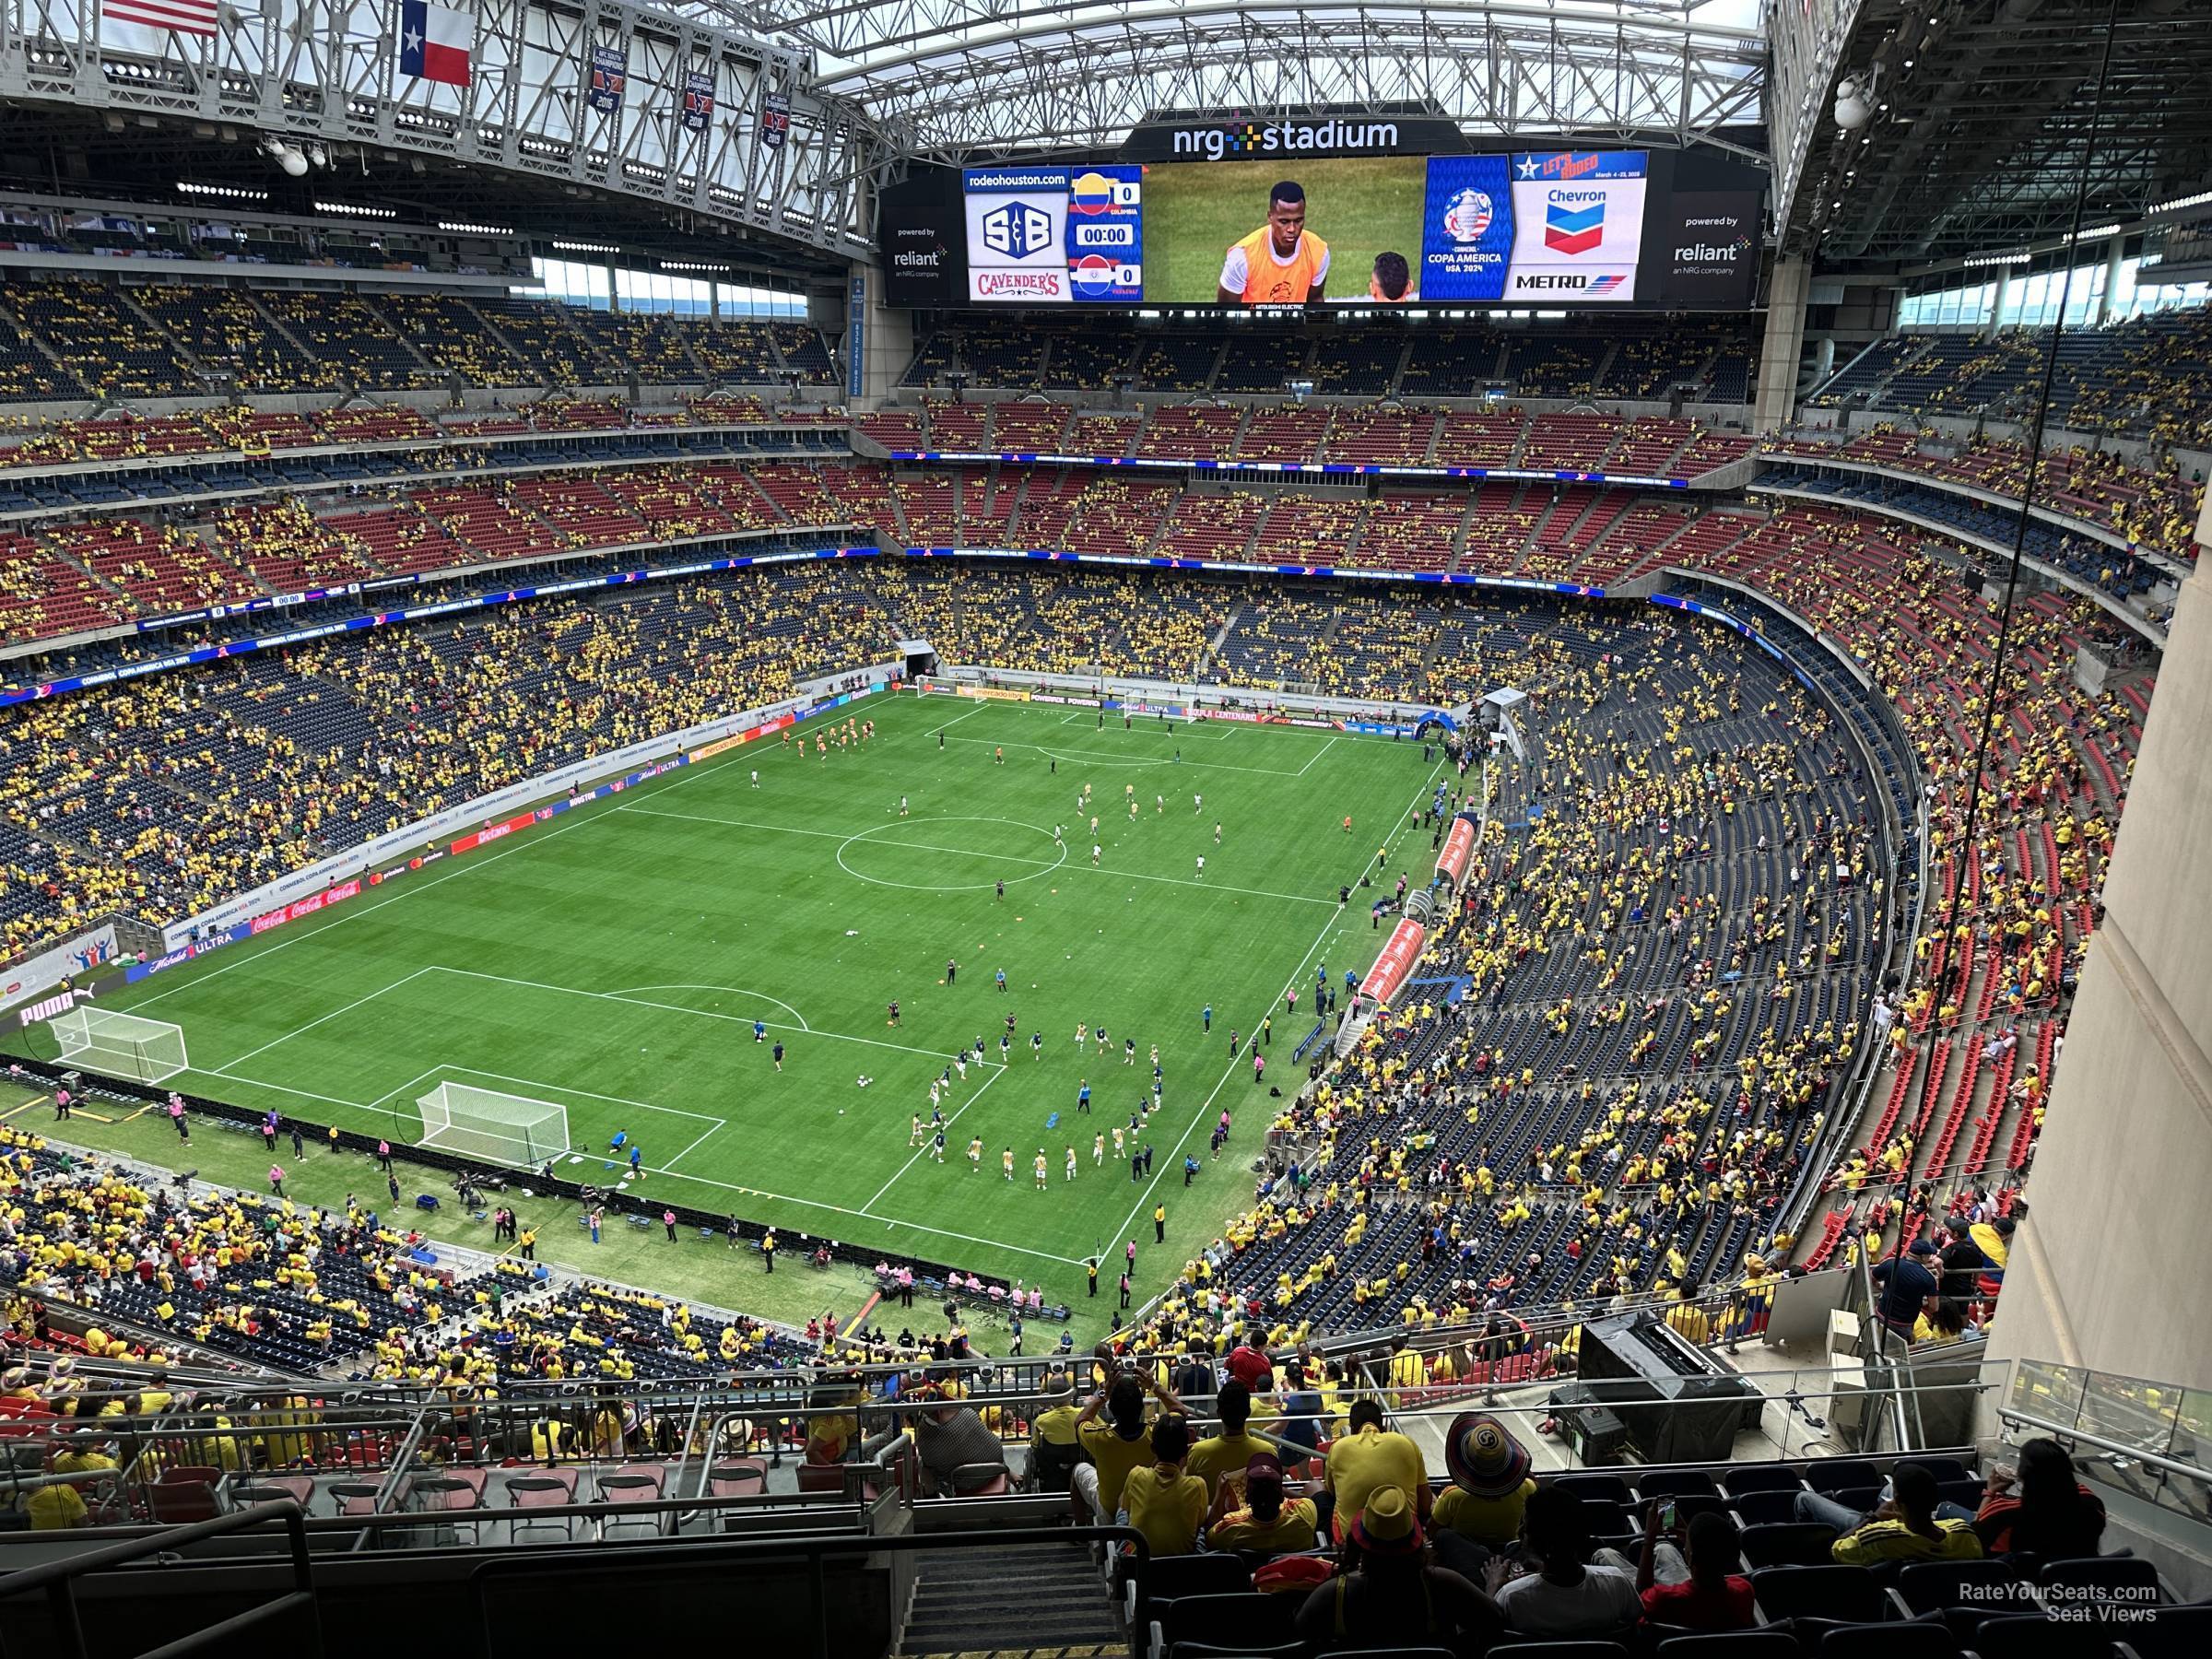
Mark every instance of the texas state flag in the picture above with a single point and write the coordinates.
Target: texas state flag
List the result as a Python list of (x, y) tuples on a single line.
[(435, 42)]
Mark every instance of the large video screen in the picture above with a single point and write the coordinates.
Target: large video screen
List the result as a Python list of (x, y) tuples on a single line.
[(1524, 228)]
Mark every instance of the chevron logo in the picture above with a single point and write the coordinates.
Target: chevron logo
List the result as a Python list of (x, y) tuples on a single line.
[(1573, 229)]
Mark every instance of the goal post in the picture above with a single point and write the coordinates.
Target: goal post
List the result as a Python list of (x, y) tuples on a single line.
[(500, 1128), (126, 1045)]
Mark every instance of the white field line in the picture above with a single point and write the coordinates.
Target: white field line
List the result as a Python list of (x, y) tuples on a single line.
[(224, 1069), (1244, 1060), (1042, 863), (949, 1121), (695, 1013)]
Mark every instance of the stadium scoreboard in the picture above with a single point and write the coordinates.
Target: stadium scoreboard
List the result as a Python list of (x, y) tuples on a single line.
[(1054, 235), (1550, 229)]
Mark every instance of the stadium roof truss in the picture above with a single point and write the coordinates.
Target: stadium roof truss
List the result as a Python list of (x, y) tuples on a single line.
[(1987, 120), (954, 78), (326, 71)]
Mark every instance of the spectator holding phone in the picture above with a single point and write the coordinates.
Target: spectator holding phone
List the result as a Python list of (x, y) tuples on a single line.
[(1701, 1591)]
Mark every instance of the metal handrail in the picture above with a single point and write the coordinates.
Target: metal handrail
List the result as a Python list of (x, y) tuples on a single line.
[(1896, 1364), (58, 1579), (2152, 1460), (814, 1550)]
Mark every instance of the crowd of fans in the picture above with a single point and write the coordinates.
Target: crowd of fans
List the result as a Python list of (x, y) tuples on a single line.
[(2140, 378), (161, 796), (85, 338), (270, 1281), (2153, 505)]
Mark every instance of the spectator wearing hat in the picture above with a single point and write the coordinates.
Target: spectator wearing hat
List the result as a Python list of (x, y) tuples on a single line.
[(1390, 1594), (1908, 1287), (1480, 1511), (1701, 1590), (1255, 1516), (1164, 1502), (1364, 1461), (1566, 1595)]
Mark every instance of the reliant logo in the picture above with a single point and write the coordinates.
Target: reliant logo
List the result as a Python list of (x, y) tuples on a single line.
[(1711, 253), (1285, 137), (917, 262)]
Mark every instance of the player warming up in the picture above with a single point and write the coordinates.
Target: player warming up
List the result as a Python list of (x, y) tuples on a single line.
[(1282, 263)]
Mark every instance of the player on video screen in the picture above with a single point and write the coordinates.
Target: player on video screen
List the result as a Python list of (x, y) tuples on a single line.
[(1391, 282), (1282, 263)]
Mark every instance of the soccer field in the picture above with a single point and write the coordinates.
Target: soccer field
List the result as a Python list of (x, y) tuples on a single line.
[(615, 960)]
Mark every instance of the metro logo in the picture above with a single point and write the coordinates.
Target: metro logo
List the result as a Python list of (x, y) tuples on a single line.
[(1573, 229)]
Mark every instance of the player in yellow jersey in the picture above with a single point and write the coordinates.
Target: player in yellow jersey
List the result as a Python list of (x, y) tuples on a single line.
[(1282, 263)]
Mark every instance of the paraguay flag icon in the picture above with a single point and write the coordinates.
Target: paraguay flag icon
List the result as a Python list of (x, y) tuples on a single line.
[(1573, 229)]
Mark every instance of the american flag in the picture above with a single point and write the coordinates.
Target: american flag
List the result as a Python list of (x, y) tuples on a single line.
[(175, 16)]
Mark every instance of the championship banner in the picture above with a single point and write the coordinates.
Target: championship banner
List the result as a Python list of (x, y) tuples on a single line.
[(1394, 966), (610, 74), (699, 101), (775, 120)]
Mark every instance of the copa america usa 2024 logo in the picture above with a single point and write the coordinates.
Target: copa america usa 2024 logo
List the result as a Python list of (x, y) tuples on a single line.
[(1468, 216)]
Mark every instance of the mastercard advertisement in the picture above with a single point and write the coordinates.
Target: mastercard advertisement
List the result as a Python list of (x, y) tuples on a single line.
[(1054, 235)]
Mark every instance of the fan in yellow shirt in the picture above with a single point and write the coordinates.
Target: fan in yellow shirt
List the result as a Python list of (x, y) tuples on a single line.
[(1264, 1522), (1369, 1458), (1221, 1458), (1165, 1504)]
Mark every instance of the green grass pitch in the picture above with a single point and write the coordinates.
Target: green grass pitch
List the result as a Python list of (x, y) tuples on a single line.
[(1360, 206), (613, 961)]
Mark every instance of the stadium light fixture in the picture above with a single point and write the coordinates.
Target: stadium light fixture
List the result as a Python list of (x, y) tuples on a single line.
[(577, 247), (2180, 203), (1852, 110), (287, 157), (228, 193), (349, 211), (461, 227)]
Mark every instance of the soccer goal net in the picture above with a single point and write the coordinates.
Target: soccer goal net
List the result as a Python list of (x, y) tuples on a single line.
[(483, 1122), (124, 1045)]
